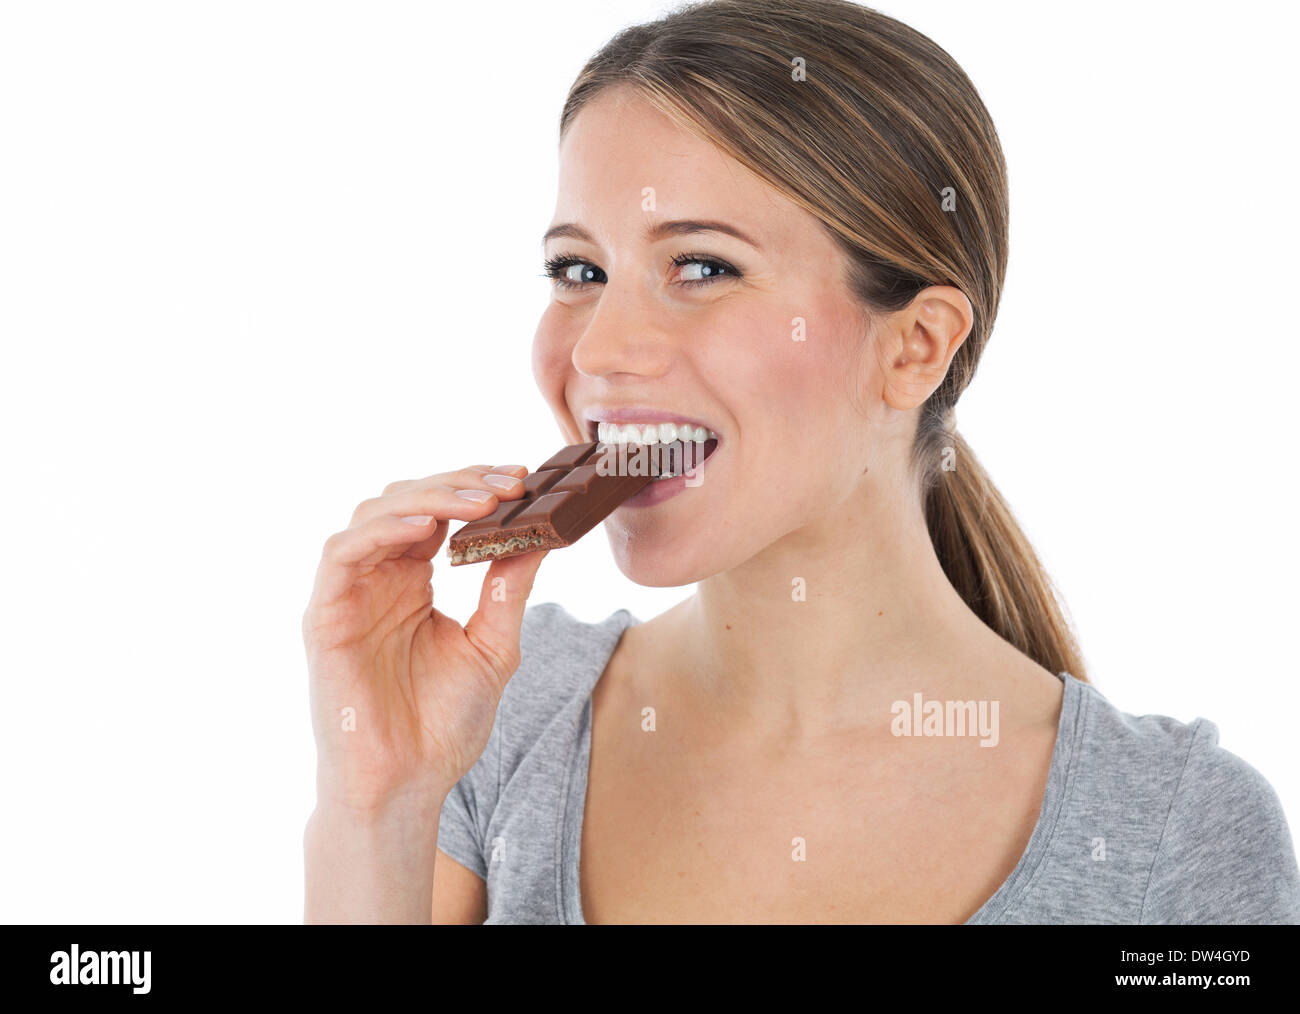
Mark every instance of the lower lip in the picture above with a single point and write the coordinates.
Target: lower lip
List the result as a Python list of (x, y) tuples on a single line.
[(660, 490)]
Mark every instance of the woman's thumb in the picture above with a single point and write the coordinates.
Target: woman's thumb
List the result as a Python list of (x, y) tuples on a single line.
[(496, 623)]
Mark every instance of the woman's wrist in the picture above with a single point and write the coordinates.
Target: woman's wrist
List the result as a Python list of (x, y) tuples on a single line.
[(419, 797), (371, 863)]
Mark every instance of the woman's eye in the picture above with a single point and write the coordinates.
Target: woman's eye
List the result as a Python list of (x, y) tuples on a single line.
[(572, 273), (569, 272), (698, 270)]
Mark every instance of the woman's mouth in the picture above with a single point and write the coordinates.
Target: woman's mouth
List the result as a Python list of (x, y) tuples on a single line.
[(681, 450)]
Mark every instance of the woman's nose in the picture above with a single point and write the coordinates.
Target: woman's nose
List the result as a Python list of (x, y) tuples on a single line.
[(624, 335)]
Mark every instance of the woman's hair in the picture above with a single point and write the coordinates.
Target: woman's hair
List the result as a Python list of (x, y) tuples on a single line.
[(872, 128)]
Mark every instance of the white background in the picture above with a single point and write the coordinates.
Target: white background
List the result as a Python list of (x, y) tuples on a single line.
[(254, 255)]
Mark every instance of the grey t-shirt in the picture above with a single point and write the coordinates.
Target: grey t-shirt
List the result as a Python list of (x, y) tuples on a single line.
[(1192, 833)]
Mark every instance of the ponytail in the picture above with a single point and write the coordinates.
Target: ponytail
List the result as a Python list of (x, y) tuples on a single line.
[(986, 556)]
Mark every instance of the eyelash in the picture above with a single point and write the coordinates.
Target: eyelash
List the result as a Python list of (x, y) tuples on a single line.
[(555, 267)]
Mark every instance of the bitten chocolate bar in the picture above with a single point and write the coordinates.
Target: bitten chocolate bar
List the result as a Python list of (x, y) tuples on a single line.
[(563, 500)]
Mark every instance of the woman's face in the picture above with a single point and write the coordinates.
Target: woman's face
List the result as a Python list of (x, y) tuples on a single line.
[(632, 333)]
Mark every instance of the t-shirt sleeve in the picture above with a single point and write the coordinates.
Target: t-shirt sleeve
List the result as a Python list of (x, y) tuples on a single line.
[(462, 828), (1226, 854)]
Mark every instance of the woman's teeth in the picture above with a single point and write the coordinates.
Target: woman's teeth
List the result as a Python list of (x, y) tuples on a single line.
[(651, 433), (694, 442)]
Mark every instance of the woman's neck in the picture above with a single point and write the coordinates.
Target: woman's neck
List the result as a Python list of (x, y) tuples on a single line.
[(825, 629)]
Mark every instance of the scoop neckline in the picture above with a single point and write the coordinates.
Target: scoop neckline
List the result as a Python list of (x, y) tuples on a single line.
[(1069, 723)]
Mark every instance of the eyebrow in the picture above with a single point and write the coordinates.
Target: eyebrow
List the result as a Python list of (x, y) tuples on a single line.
[(678, 227)]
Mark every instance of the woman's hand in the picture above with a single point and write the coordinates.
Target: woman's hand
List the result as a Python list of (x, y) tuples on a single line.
[(402, 696)]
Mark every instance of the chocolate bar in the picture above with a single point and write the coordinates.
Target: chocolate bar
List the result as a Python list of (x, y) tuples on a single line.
[(563, 500)]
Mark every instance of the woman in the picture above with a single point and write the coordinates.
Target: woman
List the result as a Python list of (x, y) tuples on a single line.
[(786, 223)]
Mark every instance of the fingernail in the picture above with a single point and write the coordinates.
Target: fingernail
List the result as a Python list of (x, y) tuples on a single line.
[(500, 481), (507, 468), (477, 495), (419, 520)]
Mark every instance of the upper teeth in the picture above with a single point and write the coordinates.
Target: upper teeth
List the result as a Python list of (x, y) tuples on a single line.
[(651, 433)]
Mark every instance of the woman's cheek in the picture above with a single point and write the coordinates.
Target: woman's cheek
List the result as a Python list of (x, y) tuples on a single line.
[(778, 361), (550, 361)]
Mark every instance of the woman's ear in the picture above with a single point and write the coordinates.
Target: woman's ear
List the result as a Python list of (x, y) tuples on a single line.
[(918, 342)]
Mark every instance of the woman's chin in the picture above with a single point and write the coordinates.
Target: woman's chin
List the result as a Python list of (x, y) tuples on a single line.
[(655, 563)]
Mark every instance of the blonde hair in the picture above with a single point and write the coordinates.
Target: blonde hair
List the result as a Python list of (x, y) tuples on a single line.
[(877, 132)]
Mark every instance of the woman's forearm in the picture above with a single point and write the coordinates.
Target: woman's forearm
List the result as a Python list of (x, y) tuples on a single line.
[(372, 866)]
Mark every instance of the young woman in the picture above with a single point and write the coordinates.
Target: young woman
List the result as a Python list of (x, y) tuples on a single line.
[(785, 222)]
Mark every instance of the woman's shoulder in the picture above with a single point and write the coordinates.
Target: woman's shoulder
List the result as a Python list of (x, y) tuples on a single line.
[(1157, 747), (1221, 848), (561, 659), (552, 641)]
